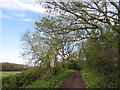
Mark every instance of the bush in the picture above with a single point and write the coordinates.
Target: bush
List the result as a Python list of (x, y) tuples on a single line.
[(72, 65), (94, 79), (22, 79), (101, 65), (101, 56), (51, 81)]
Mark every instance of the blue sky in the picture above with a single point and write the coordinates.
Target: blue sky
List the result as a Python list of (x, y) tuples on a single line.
[(16, 16)]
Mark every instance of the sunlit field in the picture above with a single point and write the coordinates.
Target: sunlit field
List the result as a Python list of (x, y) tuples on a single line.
[(8, 74)]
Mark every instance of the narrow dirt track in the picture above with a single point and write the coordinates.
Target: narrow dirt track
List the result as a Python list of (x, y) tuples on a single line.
[(73, 81)]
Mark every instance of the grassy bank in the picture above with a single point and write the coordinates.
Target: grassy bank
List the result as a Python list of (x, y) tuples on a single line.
[(50, 81), (93, 79), (36, 77), (21, 79)]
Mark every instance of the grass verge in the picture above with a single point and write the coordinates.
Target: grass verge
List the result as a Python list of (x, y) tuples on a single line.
[(50, 81), (93, 79)]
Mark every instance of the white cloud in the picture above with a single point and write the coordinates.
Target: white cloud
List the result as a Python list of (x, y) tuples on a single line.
[(29, 5), (28, 20), (19, 14), (8, 17), (4, 16)]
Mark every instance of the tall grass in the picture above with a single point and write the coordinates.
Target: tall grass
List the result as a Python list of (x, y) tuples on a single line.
[(36, 77), (51, 81), (94, 79), (22, 79)]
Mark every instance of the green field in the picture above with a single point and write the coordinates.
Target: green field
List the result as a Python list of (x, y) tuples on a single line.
[(8, 74)]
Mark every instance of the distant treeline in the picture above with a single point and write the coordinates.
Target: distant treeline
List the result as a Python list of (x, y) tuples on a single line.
[(12, 67)]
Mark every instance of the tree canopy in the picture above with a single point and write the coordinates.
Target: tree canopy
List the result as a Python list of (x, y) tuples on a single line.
[(84, 32)]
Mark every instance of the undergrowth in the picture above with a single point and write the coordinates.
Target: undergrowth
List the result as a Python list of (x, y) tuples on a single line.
[(35, 77), (21, 79), (94, 79), (51, 81)]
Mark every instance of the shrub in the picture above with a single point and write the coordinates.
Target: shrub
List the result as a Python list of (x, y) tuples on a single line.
[(50, 80), (73, 65), (94, 79), (22, 79)]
